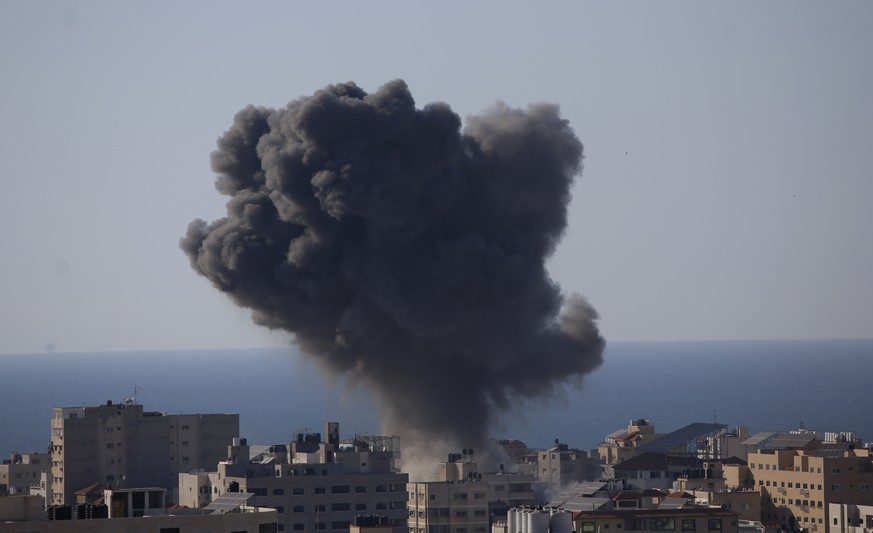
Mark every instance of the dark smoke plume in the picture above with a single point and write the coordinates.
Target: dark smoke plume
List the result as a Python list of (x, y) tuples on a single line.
[(406, 252)]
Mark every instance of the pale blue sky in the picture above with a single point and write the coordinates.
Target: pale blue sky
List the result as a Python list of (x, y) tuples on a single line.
[(726, 194)]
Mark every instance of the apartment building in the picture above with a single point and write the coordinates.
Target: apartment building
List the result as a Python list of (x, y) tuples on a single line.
[(122, 445), (463, 500), (622, 444), (314, 485), (560, 465), (22, 471), (850, 518), (798, 484)]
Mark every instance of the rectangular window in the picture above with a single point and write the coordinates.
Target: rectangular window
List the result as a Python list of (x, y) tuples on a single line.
[(662, 524), (340, 507), (631, 524), (340, 489), (688, 525), (587, 527), (715, 524), (835, 470), (835, 487)]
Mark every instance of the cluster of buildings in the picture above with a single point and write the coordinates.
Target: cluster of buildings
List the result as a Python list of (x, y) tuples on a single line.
[(116, 467)]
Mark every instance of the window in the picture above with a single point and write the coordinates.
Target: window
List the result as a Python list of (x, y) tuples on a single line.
[(363, 507), (278, 492), (688, 525), (632, 524), (715, 524), (280, 509), (340, 524), (662, 524), (319, 525), (319, 490), (298, 527), (297, 491), (835, 470), (156, 500), (298, 509), (835, 487), (340, 489), (381, 488), (320, 508), (588, 527), (864, 486), (340, 507), (460, 514), (360, 489)]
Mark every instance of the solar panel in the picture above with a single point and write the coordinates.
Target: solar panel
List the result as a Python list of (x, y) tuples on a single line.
[(838, 449), (228, 501), (789, 440)]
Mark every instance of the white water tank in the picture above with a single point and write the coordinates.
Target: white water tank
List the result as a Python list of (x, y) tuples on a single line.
[(510, 521), (539, 522), (561, 522)]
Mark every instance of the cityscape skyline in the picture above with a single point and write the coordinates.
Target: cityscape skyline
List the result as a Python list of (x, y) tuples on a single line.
[(724, 196)]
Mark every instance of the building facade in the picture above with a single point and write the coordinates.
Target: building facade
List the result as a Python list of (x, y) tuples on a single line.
[(22, 471), (314, 485), (122, 445), (464, 500), (797, 485)]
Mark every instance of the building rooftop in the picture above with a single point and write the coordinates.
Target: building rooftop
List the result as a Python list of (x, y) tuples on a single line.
[(682, 436)]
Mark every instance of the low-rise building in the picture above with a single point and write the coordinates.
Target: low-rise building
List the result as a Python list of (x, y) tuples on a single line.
[(139, 510), (21, 471), (686, 520), (850, 518)]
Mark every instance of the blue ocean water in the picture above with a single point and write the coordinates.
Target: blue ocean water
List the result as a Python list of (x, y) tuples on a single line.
[(761, 384)]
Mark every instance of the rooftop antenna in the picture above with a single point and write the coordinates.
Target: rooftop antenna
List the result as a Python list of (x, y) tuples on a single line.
[(135, 389)]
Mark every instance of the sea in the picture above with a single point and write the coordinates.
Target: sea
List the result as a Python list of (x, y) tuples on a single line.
[(823, 385)]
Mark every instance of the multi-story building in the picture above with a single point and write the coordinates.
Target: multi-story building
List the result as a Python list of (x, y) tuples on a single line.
[(122, 445), (314, 485), (22, 471), (850, 518), (622, 444), (560, 465), (798, 484), (463, 500)]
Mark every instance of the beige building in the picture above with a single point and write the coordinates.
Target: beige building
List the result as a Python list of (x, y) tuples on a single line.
[(622, 444), (22, 471), (797, 485), (464, 500), (850, 518), (122, 445), (314, 485)]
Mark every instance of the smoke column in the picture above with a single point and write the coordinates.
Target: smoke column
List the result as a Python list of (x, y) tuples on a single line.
[(405, 252)]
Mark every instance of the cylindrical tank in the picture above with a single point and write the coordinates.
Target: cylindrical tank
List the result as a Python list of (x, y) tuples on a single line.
[(510, 521), (539, 522), (561, 522), (524, 520)]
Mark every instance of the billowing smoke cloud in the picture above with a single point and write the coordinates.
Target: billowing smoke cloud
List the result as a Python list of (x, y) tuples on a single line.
[(401, 250)]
